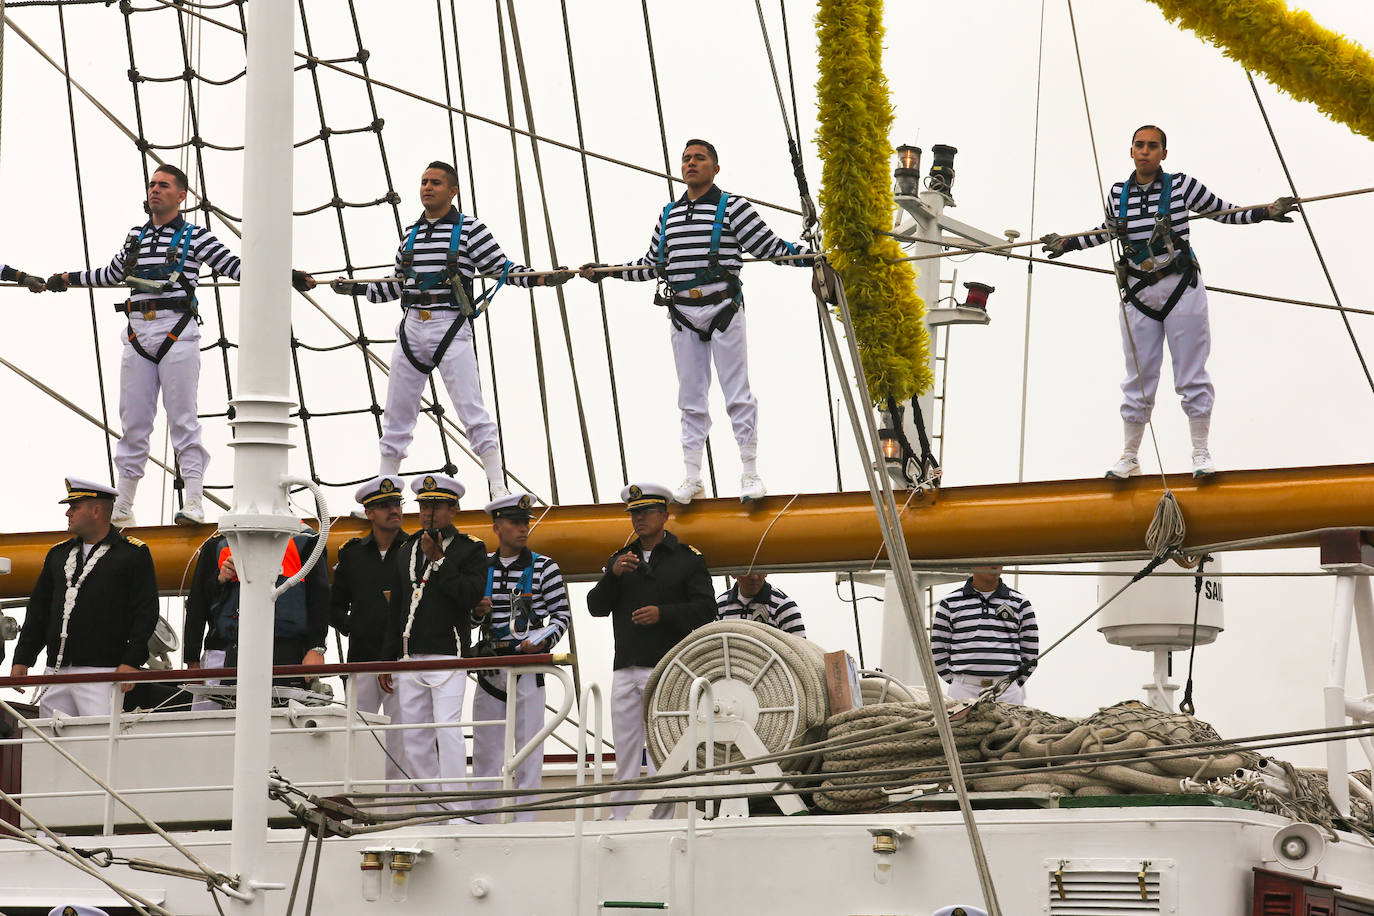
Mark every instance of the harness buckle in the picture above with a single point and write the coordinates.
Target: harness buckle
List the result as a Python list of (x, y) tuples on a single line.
[(149, 314), (694, 293)]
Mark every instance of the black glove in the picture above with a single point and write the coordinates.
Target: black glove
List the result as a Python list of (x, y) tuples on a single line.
[(557, 277), (1055, 244), (346, 287), (302, 281), (30, 282), (1278, 211), (585, 271), (56, 284)]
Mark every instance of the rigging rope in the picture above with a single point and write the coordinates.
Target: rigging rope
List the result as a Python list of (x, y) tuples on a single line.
[(1030, 265)]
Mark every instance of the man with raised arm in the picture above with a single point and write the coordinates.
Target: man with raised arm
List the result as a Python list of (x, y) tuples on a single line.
[(523, 610), (1161, 283), (982, 633), (444, 251), (438, 582), (93, 607), (753, 597), (360, 600), (656, 590), (161, 262), (696, 252)]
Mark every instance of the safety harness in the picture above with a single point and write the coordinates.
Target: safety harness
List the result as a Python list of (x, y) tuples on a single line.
[(502, 640), (424, 292), (1165, 252), (163, 278), (670, 294)]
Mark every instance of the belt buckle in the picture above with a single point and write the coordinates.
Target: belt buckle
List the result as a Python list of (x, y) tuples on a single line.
[(694, 293), (426, 314), (149, 314), (985, 682)]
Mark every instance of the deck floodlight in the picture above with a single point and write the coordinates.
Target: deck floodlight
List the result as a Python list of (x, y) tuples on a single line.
[(978, 294), (908, 171), (942, 171)]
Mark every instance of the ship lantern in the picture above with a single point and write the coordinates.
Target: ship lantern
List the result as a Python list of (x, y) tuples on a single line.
[(372, 876), (884, 848), (978, 294), (908, 171), (401, 864), (942, 171)]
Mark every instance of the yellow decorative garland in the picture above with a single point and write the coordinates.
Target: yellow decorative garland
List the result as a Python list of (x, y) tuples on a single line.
[(856, 200), (1297, 55)]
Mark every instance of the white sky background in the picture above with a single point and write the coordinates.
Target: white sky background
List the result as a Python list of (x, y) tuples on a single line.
[(1289, 389)]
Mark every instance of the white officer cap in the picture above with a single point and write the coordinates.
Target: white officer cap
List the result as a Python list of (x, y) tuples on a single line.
[(645, 496), (437, 486), (960, 911), (76, 909), (79, 488), (515, 506), (388, 486)]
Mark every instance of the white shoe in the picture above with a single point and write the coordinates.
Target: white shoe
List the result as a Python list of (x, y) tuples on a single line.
[(688, 490), (498, 490), (1202, 463), (193, 513), (1127, 465), (751, 487), (122, 516)]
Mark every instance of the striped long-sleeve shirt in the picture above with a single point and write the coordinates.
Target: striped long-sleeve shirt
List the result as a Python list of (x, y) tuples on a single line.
[(769, 605), (155, 251), (984, 637), (687, 246), (478, 253), (549, 606), (1187, 194)]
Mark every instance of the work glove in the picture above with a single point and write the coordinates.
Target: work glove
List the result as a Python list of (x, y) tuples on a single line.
[(346, 287), (1055, 244), (30, 282), (56, 284), (302, 281), (1278, 211), (588, 274), (557, 277)]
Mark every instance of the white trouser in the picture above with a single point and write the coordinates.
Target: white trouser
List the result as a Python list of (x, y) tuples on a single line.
[(436, 756), (1190, 341), (964, 687), (489, 741), (458, 370), (75, 699), (693, 356), (210, 658), (371, 698), (627, 729), (178, 376)]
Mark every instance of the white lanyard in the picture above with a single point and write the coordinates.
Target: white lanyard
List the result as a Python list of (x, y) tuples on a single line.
[(417, 588), (73, 588)]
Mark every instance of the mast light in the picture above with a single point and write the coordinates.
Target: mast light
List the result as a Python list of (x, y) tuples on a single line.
[(908, 171), (942, 171)]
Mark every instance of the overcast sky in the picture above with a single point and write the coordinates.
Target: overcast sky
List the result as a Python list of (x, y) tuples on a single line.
[(1289, 390)]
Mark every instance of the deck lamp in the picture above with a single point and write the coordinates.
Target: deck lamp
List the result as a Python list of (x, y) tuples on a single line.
[(884, 848), (908, 171), (372, 876), (978, 294), (401, 864), (942, 171)]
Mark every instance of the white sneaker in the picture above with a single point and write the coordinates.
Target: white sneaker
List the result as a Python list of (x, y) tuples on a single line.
[(1127, 465), (1202, 463), (122, 516), (688, 490), (751, 487), (193, 513), (498, 490)]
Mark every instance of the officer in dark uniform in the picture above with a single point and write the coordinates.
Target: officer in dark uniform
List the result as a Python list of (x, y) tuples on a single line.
[(359, 599), (441, 575), (93, 607), (656, 590)]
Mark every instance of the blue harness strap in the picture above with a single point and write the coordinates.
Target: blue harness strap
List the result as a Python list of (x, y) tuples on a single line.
[(1141, 261), (712, 271), (429, 281), (525, 587), (1163, 210)]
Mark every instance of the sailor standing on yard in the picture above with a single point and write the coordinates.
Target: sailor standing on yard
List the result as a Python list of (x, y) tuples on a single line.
[(696, 253), (359, 599), (656, 590), (161, 261), (439, 580), (93, 607), (752, 597), (443, 252), (983, 632), (525, 609), (1162, 283)]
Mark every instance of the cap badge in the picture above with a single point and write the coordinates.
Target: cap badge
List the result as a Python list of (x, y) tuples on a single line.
[(387, 486), (636, 492), (429, 484), (525, 502)]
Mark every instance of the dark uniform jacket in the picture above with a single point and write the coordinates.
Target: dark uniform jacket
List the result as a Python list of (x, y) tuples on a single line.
[(443, 621), (675, 579), (115, 612), (358, 607), (207, 592)]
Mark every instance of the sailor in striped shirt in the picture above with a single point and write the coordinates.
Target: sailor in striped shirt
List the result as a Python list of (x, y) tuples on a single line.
[(1161, 281), (754, 598), (525, 609), (696, 253), (161, 260), (435, 273), (983, 632)]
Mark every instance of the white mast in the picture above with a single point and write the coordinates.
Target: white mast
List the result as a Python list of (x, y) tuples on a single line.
[(260, 519)]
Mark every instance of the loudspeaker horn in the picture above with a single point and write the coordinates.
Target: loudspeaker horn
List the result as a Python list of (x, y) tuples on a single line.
[(1299, 846)]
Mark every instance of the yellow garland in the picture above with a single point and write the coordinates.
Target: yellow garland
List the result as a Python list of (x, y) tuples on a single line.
[(1300, 57), (856, 199)]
